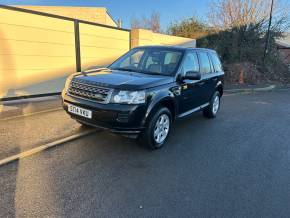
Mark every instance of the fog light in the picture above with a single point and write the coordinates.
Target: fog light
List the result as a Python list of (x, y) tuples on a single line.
[(123, 117)]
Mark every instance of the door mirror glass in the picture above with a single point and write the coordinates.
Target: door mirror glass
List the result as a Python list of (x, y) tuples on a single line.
[(192, 75)]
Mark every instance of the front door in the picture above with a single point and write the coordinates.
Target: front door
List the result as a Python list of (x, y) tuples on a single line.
[(190, 90)]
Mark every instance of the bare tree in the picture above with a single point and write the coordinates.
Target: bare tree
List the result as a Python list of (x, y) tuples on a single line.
[(155, 22), (151, 23), (225, 14)]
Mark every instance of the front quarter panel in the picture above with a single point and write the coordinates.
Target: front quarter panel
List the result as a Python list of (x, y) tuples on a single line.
[(158, 95)]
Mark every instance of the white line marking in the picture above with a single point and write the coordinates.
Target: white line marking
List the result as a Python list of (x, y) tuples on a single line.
[(45, 147), (31, 114), (237, 93)]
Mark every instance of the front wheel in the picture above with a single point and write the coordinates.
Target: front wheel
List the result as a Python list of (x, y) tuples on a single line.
[(214, 106), (157, 129)]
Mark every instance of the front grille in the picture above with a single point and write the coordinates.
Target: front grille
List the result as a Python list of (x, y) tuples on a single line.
[(89, 92)]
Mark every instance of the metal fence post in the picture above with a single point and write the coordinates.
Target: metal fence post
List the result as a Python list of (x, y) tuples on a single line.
[(77, 46)]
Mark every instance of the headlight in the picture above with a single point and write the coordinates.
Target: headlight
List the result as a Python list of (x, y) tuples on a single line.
[(67, 82), (128, 97)]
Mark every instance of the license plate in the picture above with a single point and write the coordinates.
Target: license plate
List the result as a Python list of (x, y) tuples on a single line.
[(80, 111)]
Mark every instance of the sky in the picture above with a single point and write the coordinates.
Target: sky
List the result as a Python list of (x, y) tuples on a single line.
[(170, 10)]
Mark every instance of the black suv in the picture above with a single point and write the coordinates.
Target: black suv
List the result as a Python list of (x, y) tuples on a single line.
[(145, 90)]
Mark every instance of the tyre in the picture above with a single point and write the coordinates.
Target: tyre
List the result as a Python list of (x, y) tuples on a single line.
[(157, 129), (212, 110)]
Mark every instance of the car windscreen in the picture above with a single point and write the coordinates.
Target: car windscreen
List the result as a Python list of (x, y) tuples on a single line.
[(161, 61)]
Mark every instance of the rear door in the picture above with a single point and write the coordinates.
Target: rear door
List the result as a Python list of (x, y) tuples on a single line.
[(218, 70), (207, 84)]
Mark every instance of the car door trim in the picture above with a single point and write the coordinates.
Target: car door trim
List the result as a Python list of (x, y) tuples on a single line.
[(193, 110)]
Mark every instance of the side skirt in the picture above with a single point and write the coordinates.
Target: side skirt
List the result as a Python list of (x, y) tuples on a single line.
[(193, 110)]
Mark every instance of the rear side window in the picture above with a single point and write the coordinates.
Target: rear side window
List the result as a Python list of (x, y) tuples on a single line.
[(216, 62), (205, 66)]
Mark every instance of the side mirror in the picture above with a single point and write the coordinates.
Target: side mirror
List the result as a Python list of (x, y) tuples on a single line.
[(192, 75)]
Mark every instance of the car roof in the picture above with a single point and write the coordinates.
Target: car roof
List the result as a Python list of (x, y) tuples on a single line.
[(181, 48)]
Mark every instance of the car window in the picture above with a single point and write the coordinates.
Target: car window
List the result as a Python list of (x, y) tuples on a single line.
[(171, 58), (205, 65), (163, 61), (132, 61), (190, 62), (216, 62)]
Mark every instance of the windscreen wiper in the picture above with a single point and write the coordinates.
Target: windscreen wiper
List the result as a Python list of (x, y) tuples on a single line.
[(153, 73), (125, 69)]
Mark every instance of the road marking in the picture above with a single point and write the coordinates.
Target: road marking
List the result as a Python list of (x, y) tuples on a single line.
[(262, 102), (237, 93), (45, 147), (31, 114), (268, 88)]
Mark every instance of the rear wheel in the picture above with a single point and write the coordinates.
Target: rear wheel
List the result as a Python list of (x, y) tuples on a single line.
[(157, 129), (212, 110)]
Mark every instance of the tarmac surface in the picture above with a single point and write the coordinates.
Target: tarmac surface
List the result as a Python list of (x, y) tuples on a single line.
[(237, 165)]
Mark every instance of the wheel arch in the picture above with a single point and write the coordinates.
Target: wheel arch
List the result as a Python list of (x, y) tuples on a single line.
[(220, 89), (168, 102)]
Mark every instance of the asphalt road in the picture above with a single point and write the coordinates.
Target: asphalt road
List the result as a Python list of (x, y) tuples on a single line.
[(237, 165)]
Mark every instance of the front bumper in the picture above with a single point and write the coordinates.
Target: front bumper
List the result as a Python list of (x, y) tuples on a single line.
[(118, 118)]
